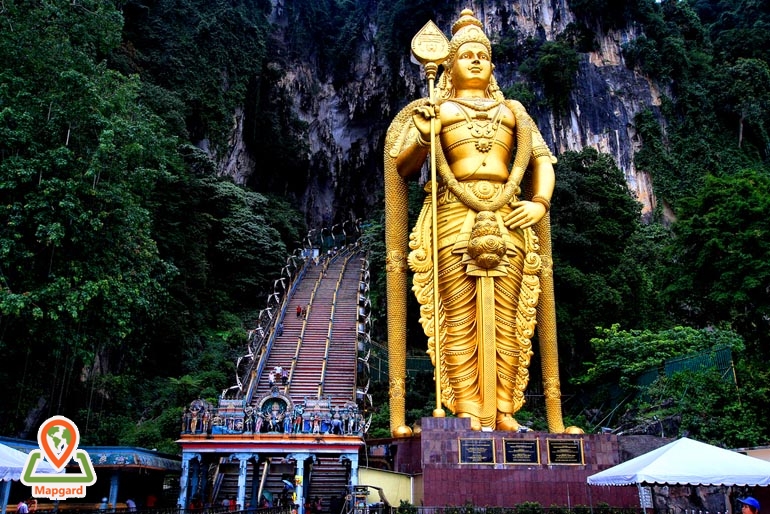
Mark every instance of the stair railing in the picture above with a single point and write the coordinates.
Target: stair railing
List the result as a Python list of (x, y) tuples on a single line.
[(259, 364), (217, 481)]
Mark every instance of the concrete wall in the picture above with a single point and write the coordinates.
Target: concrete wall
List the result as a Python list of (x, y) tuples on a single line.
[(396, 487)]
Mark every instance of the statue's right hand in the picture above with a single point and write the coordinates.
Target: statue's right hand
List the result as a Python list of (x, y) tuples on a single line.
[(421, 119)]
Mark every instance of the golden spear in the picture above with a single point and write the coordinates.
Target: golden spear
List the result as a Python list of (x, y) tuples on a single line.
[(430, 47)]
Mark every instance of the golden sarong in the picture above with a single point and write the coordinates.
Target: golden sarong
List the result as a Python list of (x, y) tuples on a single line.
[(487, 314)]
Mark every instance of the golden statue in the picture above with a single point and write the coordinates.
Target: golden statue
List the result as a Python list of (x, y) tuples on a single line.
[(487, 228)]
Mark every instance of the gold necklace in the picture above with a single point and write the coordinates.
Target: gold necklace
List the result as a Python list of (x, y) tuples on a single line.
[(477, 104), (482, 128)]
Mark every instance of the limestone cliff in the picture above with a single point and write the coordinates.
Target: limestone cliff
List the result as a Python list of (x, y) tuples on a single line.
[(345, 122)]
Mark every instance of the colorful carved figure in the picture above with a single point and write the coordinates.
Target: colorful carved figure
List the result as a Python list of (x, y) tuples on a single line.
[(299, 410)]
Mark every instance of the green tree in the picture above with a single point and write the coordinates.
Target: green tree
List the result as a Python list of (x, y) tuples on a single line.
[(721, 257), (746, 94), (246, 251), (209, 53), (594, 220), (79, 157), (622, 355), (555, 66), (705, 406)]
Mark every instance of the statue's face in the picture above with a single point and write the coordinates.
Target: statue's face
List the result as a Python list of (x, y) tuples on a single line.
[(472, 68)]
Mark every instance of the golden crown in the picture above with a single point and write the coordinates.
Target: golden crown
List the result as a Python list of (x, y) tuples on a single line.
[(465, 30)]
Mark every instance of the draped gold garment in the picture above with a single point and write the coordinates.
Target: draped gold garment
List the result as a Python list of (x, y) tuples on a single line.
[(487, 315)]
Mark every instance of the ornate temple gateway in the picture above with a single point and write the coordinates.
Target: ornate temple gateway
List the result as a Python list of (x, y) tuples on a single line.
[(291, 428)]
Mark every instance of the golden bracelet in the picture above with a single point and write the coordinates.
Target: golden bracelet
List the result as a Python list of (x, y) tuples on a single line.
[(542, 201), (421, 142)]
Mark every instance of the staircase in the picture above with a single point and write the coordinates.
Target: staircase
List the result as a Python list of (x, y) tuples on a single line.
[(328, 481), (285, 346), (320, 351), (342, 354), (276, 471)]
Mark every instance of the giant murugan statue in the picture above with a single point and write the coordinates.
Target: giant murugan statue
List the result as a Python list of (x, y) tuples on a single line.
[(483, 235)]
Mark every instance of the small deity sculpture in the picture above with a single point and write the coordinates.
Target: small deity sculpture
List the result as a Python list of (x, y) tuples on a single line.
[(316, 424), (299, 410), (336, 423), (248, 419)]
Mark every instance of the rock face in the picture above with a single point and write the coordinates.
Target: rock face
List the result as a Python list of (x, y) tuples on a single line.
[(346, 122)]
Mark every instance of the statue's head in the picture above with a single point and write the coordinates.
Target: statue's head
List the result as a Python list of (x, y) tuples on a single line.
[(467, 29)]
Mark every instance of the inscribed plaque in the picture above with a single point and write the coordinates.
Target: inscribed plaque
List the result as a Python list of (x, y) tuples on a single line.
[(521, 451), (565, 451), (477, 451)]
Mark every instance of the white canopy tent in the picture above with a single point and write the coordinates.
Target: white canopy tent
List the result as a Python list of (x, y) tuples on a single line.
[(12, 464), (687, 462)]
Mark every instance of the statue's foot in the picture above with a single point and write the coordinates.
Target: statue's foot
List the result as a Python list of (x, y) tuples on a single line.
[(506, 423), (475, 423), (402, 431)]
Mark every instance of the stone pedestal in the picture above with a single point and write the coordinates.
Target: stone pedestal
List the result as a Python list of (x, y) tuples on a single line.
[(505, 469)]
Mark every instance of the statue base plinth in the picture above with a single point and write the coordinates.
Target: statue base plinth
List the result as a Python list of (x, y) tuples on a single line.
[(504, 469)]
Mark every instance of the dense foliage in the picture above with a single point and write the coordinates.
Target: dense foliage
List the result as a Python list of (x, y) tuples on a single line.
[(720, 269), (123, 261), (129, 271)]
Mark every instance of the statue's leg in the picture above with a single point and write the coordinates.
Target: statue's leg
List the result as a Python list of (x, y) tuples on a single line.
[(460, 349), (513, 352)]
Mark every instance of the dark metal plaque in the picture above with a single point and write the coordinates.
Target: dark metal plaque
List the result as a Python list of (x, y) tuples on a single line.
[(565, 451), (521, 451), (477, 451)]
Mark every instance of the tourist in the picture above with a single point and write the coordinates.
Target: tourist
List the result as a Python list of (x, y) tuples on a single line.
[(749, 505)]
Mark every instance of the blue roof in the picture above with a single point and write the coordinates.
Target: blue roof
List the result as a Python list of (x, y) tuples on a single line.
[(113, 456)]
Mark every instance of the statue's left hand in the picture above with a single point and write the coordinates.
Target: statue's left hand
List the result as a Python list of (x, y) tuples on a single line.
[(524, 215)]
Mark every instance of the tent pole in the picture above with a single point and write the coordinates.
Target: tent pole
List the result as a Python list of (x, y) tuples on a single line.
[(5, 492)]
